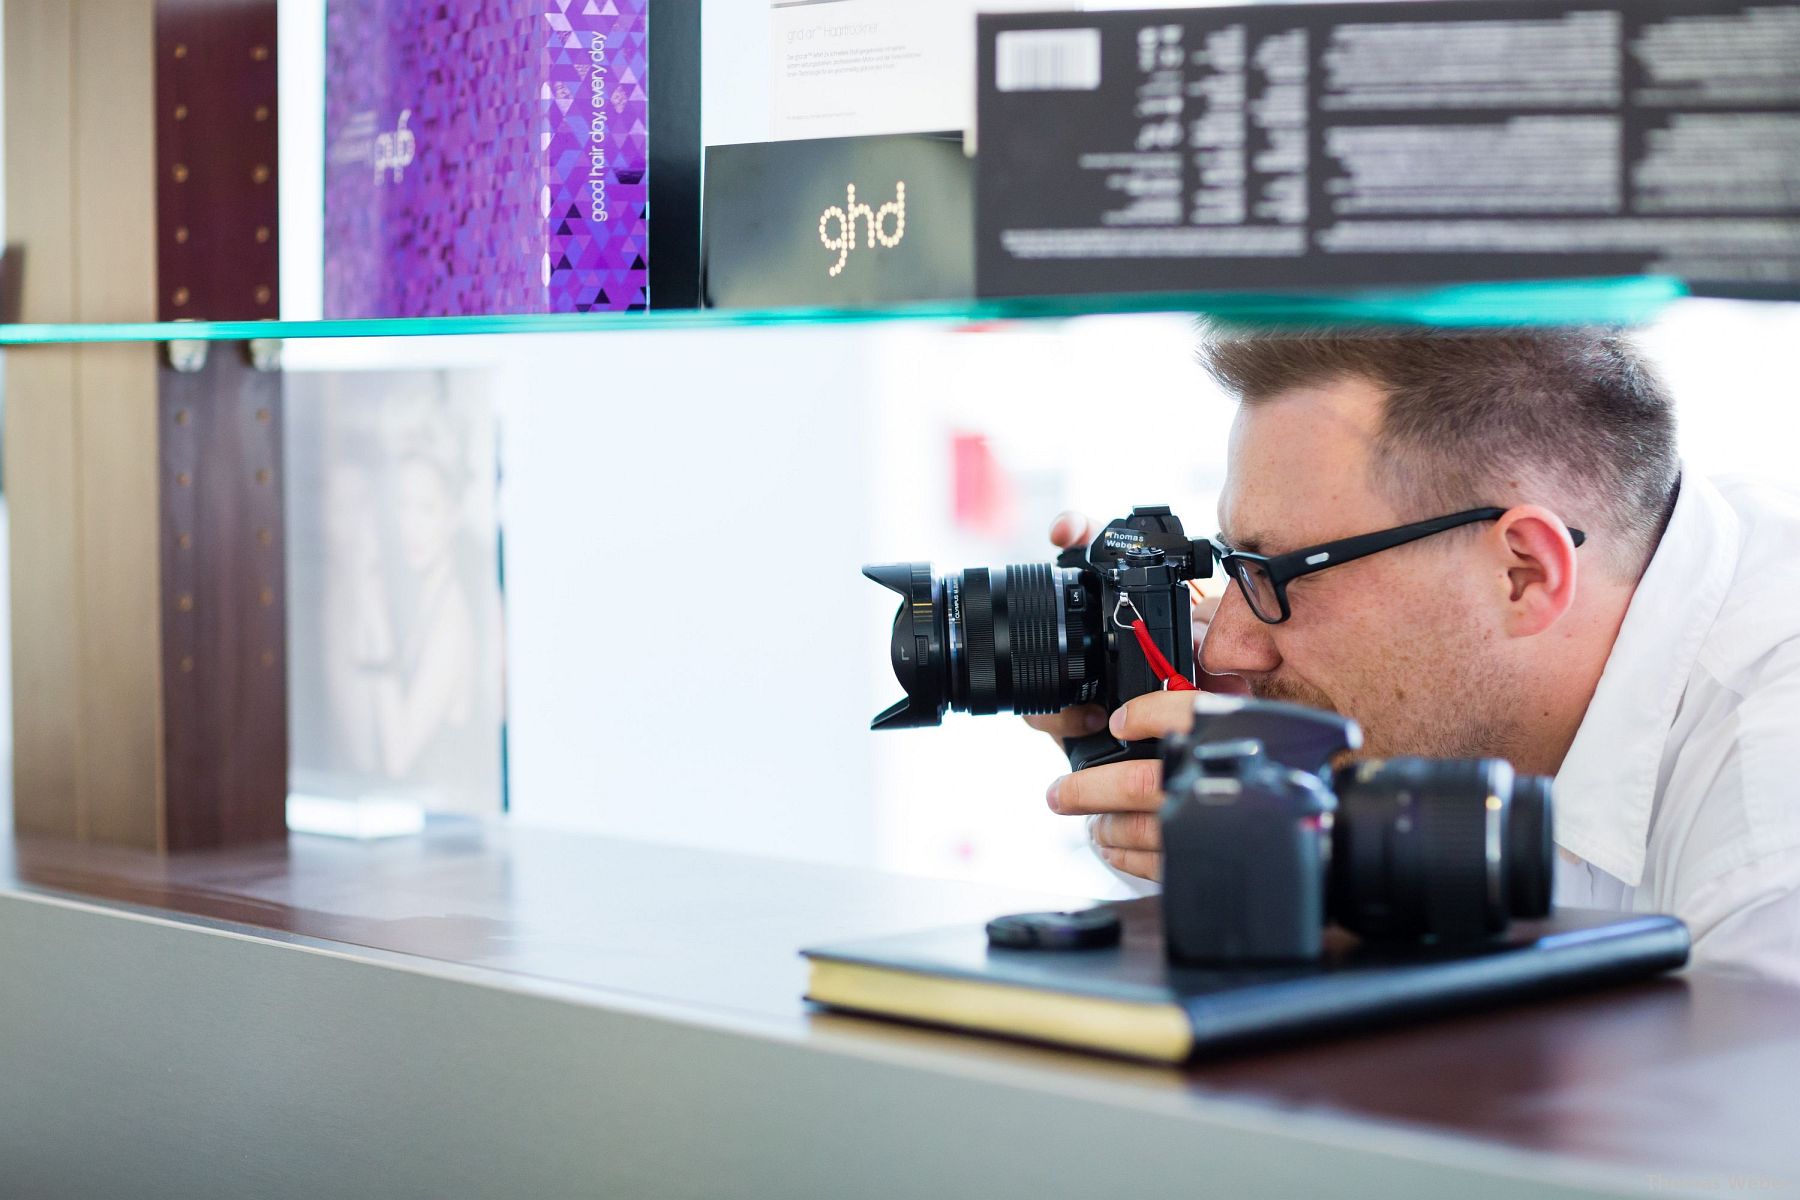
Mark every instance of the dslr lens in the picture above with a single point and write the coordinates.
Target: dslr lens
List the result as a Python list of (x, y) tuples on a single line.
[(1450, 849), (1025, 640)]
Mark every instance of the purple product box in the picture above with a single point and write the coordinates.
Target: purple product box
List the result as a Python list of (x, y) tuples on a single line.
[(486, 156)]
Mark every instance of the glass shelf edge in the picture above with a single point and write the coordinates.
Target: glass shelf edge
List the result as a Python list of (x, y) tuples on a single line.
[(1628, 300)]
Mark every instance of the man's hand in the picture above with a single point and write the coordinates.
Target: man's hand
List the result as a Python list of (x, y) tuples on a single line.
[(1121, 800)]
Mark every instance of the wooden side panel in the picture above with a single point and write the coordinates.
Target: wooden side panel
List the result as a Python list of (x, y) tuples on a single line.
[(114, 162), (119, 767), (40, 141), (224, 596), (221, 545), (40, 444), (148, 621), (216, 136), (40, 486)]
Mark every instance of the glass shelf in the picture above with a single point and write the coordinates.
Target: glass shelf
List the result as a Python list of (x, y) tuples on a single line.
[(1614, 301)]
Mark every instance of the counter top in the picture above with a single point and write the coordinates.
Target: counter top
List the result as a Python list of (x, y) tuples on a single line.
[(1682, 1085)]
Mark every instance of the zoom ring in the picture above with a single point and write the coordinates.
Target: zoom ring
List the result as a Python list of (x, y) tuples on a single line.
[(1031, 607), (978, 642), (1453, 830)]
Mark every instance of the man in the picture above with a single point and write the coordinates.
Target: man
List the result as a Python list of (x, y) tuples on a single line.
[(1651, 663)]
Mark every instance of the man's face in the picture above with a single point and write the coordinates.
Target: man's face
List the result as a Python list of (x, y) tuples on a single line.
[(1398, 640)]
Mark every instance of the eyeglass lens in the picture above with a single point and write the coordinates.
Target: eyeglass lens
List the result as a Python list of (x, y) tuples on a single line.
[(1258, 589)]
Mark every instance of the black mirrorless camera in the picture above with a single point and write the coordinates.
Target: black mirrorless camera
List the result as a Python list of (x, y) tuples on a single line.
[(1039, 638), (1269, 831)]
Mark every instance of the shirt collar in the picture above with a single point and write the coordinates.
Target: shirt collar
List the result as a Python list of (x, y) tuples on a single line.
[(1606, 790)]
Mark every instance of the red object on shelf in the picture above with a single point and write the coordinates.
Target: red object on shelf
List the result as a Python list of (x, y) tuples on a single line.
[(981, 495)]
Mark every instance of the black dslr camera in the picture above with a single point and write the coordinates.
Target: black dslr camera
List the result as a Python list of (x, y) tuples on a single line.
[(1039, 638), (1268, 833)]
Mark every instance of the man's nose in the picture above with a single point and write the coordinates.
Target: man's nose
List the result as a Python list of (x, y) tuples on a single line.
[(1236, 642)]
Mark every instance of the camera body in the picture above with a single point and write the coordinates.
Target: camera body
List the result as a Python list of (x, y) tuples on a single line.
[(1269, 832), (1041, 637)]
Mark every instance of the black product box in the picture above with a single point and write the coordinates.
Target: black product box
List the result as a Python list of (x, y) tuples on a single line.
[(675, 156), (839, 222), (1314, 146)]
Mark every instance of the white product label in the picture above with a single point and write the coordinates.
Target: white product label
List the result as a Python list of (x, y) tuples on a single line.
[(1047, 60)]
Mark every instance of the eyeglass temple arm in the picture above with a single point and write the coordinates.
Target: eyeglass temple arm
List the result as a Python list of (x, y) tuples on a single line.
[(1301, 562)]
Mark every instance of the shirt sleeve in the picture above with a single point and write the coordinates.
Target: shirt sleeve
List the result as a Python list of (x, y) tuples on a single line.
[(1741, 857), (1748, 919)]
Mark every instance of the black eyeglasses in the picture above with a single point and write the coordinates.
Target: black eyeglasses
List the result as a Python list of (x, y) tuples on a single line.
[(1264, 578)]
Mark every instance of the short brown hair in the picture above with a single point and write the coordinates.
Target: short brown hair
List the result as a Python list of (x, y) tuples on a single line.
[(1578, 413)]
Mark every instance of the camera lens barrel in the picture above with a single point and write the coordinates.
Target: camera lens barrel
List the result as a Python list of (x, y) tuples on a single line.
[(1530, 852), (1025, 639), (1449, 849), (1019, 653), (1034, 632)]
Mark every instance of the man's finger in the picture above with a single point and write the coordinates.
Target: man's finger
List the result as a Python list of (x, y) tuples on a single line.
[(1145, 864), (1153, 715), (1126, 831), (1071, 529), (1131, 786), (1079, 721)]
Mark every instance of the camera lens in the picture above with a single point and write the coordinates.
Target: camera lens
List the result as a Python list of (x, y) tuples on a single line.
[(1023, 640), (1530, 852), (1450, 849)]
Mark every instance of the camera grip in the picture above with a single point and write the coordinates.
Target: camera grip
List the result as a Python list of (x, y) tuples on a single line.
[(1098, 749)]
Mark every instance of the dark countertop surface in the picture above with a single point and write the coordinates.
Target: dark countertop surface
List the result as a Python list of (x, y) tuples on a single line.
[(1691, 1080)]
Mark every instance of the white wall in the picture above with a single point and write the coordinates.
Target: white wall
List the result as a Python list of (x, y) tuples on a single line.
[(684, 517)]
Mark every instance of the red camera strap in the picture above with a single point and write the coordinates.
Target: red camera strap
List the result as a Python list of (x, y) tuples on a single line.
[(1172, 679)]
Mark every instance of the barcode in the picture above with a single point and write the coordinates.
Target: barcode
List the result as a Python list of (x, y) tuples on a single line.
[(1047, 60)]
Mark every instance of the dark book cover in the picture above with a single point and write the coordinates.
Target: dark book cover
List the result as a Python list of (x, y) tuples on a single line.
[(1128, 999)]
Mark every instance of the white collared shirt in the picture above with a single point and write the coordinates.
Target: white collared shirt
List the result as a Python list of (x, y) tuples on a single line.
[(1681, 792)]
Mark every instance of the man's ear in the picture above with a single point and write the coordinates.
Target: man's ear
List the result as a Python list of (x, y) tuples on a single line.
[(1540, 568)]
